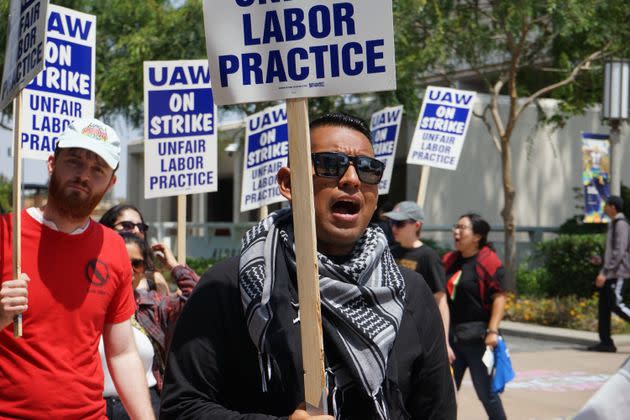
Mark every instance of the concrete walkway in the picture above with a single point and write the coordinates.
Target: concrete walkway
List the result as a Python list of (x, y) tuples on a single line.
[(540, 332), (549, 384)]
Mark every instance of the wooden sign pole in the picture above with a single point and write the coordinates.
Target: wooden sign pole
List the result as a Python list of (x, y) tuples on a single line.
[(424, 181), (17, 204), (303, 205), (263, 213), (181, 229)]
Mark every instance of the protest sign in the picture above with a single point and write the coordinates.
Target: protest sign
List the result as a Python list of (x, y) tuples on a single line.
[(64, 91), (441, 128), (385, 127), (24, 53), (263, 51), (595, 176), (266, 151), (23, 59), (180, 147)]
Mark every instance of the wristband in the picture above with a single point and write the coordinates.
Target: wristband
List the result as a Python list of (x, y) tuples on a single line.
[(491, 331)]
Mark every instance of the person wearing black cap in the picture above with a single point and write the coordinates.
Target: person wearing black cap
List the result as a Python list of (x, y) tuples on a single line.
[(616, 269), (406, 220)]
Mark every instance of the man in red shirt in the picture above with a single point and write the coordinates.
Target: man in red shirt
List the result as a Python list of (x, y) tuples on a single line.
[(75, 287)]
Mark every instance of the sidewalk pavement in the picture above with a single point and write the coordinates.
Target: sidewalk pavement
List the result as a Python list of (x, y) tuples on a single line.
[(552, 382), (565, 335)]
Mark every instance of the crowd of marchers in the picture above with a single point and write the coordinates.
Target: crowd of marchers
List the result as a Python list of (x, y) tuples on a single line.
[(400, 324)]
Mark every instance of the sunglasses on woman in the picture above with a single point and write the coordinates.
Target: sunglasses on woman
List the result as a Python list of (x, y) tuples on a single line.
[(137, 263), (334, 165), (128, 226)]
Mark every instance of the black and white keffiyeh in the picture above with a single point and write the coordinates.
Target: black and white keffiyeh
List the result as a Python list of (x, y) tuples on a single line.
[(362, 302)]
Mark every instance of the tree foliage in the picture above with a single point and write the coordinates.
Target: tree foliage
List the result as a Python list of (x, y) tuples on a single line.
[(6, 195), (526, 50), (419, 32), (447, 41), (434, 40), (129, 33)]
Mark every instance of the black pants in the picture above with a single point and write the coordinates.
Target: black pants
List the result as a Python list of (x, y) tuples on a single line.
[(468, 355), (116, 411), (610, 300)]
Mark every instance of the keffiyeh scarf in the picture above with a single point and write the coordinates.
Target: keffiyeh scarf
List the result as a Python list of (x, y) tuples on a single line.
[(362, 302)]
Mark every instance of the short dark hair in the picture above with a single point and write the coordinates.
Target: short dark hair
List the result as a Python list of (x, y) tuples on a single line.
[(340, 119), (386, 206), (130, 238), (109, 217), (147, 256), (479, 227), (616, 202)]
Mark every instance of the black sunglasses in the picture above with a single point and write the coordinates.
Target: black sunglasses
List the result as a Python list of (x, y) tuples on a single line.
[(137, 263), (400, 223), (128, 226), (334, 165)]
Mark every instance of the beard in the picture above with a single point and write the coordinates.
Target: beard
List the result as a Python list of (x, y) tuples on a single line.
[(72, 203)]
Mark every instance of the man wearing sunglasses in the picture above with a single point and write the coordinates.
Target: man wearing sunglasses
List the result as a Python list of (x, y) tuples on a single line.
[(406, 220), (75, 288), (236, 351)]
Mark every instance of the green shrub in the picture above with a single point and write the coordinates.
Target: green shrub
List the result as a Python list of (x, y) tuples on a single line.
[(531, 281), (6, 194), (566, 260), (436, 246), (200, 265)]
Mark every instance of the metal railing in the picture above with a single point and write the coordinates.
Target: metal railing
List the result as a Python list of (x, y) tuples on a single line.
[(535, 233), (219, 240)]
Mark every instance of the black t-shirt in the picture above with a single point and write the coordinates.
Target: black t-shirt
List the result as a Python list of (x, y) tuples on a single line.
[(464, 300), (425, 261)]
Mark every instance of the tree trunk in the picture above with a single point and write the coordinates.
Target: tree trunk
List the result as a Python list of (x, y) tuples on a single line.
[(507, 214)]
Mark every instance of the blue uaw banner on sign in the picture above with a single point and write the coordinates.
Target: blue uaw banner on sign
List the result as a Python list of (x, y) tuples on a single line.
[(385, 126), (266, 151), (180, 146), (64, 90), (272, 50), (441, 128), (595, 176)]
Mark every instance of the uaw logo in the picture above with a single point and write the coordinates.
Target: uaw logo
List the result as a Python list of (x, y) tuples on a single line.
[(96, 132), (97, 272)]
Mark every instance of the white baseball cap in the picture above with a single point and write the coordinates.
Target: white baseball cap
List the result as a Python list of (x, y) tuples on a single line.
[(95, 136)]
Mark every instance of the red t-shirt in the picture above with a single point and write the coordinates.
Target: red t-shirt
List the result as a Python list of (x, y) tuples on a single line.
[(78, 284)]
